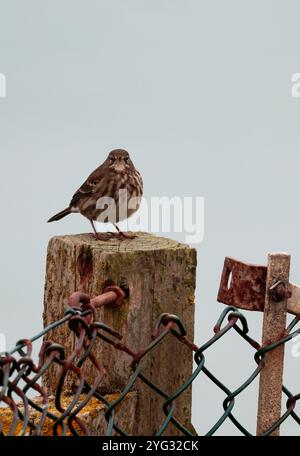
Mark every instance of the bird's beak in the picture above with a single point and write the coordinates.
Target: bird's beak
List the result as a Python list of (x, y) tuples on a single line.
[(119, 165)]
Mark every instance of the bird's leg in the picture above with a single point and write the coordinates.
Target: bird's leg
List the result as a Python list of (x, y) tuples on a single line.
[(94, 229), (122, 235), (99, 236)]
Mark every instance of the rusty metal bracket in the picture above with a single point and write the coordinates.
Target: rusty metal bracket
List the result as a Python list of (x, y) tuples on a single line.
[(243, 285)]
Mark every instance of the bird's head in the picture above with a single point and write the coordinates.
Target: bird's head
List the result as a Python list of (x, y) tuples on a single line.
[(119, 160)]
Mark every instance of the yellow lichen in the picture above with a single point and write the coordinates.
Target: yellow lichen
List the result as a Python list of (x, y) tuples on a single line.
[(91, 410)]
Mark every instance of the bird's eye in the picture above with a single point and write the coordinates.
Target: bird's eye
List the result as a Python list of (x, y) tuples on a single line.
[(111, 159), (126, 159)]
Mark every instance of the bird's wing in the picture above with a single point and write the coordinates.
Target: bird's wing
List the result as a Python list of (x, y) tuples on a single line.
[(89, 186)]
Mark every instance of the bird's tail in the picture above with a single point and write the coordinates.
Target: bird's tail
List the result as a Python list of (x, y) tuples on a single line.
[(60, 215)]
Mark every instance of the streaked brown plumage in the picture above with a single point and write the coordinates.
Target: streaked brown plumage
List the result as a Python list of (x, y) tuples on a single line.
[(116, 174)]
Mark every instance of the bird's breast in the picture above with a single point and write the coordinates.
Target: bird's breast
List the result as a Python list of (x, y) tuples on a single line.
[(116, 197)]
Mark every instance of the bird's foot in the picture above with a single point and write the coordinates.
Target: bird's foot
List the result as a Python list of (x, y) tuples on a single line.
[(109, 235), (122, 236), (102, 236)]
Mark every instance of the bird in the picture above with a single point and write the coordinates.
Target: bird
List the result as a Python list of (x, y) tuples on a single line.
[(111, 193)]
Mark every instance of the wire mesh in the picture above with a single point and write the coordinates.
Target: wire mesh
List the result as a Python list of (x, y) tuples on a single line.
[(20, 376)]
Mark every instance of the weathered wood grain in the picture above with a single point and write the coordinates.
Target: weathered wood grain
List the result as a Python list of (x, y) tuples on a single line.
[(159, 274)]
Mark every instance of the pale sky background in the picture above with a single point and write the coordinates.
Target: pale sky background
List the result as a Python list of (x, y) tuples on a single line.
[(200, 94)]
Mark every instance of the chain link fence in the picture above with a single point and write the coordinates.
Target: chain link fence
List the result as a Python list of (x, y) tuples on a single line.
[(20, 375)]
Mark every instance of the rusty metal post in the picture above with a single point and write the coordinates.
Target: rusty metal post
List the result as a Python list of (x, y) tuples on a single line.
[(274, 324)]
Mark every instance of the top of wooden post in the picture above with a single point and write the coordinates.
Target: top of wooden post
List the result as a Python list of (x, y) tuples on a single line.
[(142, 242)]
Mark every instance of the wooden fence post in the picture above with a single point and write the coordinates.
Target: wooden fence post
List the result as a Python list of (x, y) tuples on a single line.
[(159, 274)]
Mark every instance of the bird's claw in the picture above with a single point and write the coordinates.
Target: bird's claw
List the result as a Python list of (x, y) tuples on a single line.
[(122, 235), (109, 235), (102, 236)]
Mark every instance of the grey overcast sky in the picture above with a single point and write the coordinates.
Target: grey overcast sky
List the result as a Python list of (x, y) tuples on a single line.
[(200, 94)]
